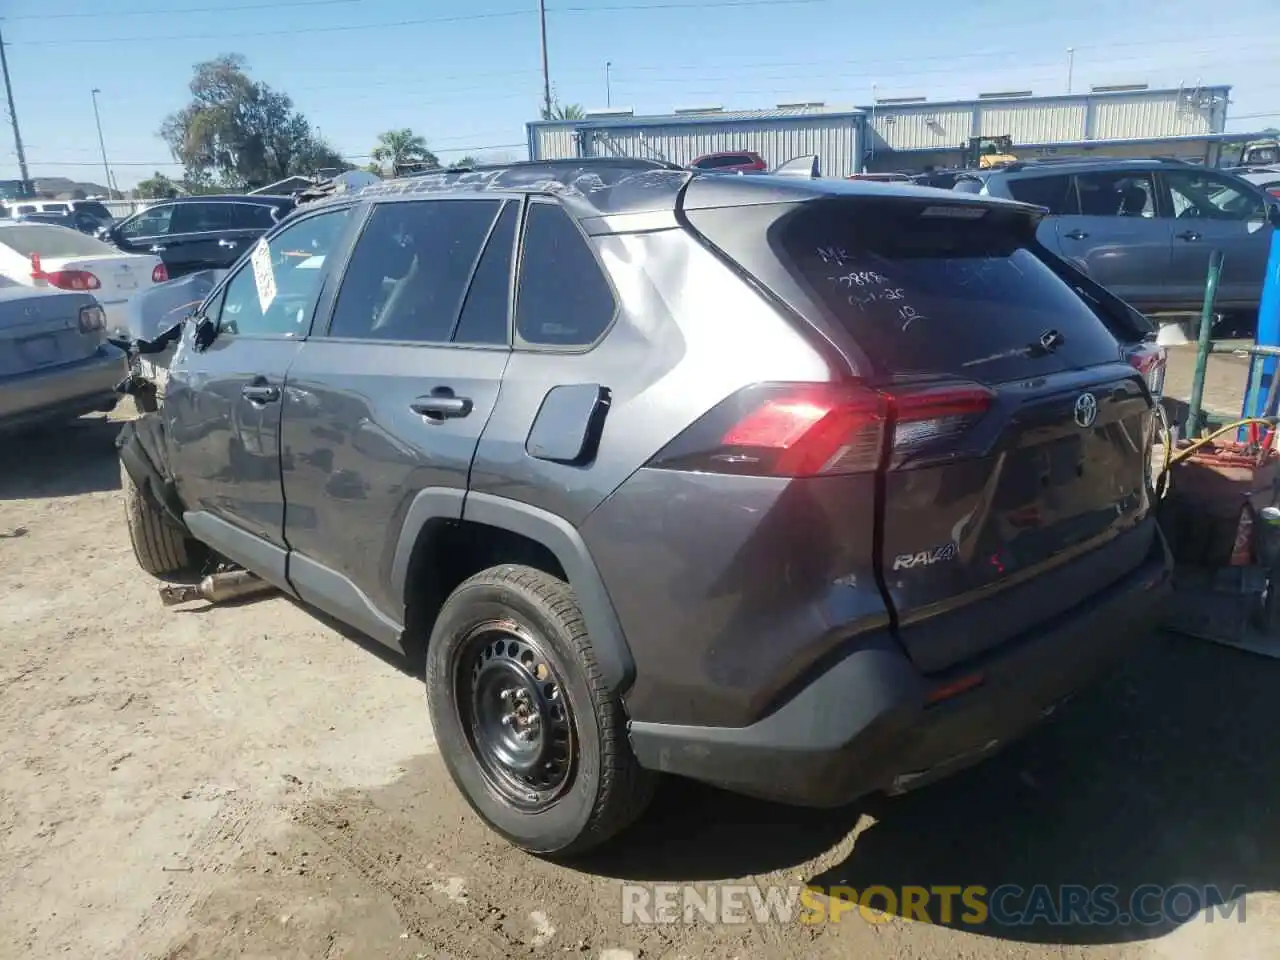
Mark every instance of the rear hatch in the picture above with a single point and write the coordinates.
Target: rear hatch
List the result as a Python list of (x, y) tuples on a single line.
[(41, 329), (1015, 438)]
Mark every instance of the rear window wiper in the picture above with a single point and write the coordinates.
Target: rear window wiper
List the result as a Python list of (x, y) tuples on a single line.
[(1042, 346)]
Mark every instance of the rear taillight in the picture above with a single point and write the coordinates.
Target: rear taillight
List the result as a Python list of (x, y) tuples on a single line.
[(1274, 191), (92, 319), (37, 272), (160, 274), (1150, 360), (73, 280), (821, 429)]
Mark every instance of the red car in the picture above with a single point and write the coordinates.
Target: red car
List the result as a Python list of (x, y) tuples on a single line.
[(731, 161)]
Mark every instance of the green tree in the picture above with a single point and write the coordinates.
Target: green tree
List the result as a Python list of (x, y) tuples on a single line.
[(564, 111), (240, 133), (467, 161), (156, 187), (402, 148)]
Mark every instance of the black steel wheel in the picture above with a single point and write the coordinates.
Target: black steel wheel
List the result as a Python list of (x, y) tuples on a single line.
[(519, 723), (532, 735)]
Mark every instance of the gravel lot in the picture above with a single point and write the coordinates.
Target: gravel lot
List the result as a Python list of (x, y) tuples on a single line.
[(249, 781)]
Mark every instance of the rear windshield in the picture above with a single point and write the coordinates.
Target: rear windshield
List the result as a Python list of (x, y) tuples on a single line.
[(94, 209), (50, 241), (923, 293)]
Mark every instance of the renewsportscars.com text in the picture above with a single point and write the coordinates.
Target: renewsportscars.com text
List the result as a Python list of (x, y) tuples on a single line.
[(1006, 905)]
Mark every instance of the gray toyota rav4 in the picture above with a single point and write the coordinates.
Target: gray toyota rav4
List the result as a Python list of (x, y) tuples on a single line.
[(802, 488)]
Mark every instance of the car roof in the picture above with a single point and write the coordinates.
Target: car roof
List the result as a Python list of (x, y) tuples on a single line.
[(591, 189), (1051, 166), (266, 198)]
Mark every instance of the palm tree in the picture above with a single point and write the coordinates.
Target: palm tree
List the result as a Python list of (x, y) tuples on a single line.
[(564, 111), (401, 148)]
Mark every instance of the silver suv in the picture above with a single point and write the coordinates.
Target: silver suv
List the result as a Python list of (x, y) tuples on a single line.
[(803, 488), (1145, 228)]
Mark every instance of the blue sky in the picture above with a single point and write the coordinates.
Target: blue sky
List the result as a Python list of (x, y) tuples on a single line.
[(468, 75)]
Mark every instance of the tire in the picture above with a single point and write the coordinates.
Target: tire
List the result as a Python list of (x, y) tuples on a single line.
[(591, 787), (159, 546)]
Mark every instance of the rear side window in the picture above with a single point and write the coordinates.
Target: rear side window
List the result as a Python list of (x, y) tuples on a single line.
[(928, 294), (253, 216), (201, 217), (1056, 193), (410, 269), (563, 299), (484, 316)]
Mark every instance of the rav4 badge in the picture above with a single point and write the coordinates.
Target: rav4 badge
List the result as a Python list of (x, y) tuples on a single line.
[(925, 558)]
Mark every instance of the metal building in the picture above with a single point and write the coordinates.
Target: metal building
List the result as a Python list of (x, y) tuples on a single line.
[(911, 133), (778, 135), (1128, 120)]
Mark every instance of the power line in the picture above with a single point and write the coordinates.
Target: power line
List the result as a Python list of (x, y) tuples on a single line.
[(169, 11), (395, 24)]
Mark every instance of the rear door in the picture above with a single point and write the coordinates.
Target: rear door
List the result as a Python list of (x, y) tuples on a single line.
[(1208, 211), (1108, 226), (1020, 440), (391, 395), (246, 223)]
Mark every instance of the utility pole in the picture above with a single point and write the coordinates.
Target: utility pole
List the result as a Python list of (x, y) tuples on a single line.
[(546, 72), (1071, 65), (608, 93), (13, 116), (102, 145)]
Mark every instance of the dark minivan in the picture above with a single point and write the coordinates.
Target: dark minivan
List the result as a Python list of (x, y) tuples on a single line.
[(199, 233)]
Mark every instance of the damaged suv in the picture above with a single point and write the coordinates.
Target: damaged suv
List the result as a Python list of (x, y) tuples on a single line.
[(802, 488)]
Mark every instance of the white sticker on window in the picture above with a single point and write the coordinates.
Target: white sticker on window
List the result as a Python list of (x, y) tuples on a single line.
[(264, 277)]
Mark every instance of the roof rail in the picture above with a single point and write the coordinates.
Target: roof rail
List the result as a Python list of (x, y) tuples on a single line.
[(1050, 161), (552, 166)]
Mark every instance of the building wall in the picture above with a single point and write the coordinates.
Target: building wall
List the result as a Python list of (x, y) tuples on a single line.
[(1030, 121), (836, 139)]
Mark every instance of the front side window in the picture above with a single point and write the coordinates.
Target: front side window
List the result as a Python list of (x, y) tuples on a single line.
[(1196, 195), (1057, 193), (275, 290), (563, 299), (410, 270), (152, 222)]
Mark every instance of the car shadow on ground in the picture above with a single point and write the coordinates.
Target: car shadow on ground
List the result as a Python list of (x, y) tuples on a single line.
[(61, 460), (1146, 791)]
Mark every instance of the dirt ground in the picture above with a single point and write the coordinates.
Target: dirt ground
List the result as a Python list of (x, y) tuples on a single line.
[(248, 781)]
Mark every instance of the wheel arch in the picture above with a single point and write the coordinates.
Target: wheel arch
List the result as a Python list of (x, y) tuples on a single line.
[(439, 521)]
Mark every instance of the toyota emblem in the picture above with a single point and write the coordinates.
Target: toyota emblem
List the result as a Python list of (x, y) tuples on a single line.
[(1086, 410)]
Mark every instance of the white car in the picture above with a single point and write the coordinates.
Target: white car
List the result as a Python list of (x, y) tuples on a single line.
[(45, 255)]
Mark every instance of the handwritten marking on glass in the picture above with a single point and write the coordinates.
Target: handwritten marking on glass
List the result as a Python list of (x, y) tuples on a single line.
[(836, 255), (908, 315)]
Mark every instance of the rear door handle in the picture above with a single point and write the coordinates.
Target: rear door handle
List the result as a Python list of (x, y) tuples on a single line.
[(442, 406), (1187, 235), (155, 248), (226, 243), (259, 393), (1076, 235)]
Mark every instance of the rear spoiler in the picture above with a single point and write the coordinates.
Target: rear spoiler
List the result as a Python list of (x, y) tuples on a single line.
[(807, 167)]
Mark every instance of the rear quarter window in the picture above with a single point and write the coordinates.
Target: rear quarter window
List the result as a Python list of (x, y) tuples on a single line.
[(923, 294)]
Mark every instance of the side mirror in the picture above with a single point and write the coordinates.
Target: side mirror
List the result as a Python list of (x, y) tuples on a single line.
[(206, 331)]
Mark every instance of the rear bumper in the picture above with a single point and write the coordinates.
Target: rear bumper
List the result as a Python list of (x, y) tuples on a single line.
[(864, 725), (62, 392)]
